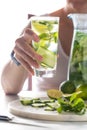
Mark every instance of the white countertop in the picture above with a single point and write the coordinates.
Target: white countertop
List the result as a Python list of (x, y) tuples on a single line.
[(5, 99)]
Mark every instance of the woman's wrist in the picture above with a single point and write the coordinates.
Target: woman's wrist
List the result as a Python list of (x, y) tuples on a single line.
[(14, 58)]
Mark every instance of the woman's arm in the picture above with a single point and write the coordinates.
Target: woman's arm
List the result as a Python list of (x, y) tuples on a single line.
[(13, 78)]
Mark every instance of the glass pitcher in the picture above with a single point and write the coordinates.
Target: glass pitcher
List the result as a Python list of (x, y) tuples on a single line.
[(77, 70)]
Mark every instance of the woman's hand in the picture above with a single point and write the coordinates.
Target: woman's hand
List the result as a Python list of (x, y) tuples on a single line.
[(25, 54)]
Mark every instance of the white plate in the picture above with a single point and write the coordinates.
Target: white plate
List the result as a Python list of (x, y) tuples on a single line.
[(16, 108)]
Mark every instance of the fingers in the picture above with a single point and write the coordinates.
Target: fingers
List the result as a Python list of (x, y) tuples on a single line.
[(27, 49), (25, 54), (29, 35)]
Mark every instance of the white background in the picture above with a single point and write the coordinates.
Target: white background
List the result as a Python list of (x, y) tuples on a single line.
[(13, 17)]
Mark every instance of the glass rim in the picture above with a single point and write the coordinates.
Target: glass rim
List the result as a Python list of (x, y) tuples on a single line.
[(45, 18)]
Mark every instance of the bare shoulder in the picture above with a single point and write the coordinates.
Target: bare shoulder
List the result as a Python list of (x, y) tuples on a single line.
[(58, 13)]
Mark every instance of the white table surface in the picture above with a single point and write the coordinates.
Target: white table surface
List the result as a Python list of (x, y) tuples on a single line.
[(5, 99)]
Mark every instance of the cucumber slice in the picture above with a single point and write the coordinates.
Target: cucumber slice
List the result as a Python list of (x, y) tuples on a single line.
[(49, 109), (49, 58), (48, 101), (26, 101), (38, 105)]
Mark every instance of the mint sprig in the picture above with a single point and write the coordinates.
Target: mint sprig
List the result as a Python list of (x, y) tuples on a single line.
[(72, 104)]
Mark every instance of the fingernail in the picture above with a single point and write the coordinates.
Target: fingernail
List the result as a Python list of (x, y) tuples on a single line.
[(40, 57), (36, 38)]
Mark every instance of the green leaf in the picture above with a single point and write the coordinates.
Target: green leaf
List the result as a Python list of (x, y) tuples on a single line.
[(59, 109), (74, 104)]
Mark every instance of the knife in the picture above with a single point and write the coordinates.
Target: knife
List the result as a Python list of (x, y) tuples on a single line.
[(21, 121)]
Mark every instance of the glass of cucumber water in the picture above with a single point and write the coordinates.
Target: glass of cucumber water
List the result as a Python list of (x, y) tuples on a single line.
[(47, 28)]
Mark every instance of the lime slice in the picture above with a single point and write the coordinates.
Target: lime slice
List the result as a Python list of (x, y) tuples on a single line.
[(38, 27), (67, 87), (49, 58), (54, 93)]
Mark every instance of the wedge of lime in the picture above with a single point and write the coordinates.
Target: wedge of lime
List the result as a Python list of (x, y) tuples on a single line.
[(67, 87), (54, 93), (38, 27)]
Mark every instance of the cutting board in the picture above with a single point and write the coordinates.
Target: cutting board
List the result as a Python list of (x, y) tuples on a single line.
[(16, 108)]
